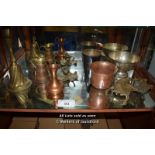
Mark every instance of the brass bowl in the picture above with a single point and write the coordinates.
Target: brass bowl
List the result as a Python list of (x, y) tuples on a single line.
[(109, 47), (92, 52), (124, 57), (125, 62), (91, 44)]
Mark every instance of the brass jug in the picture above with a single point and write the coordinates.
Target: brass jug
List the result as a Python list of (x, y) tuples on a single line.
[(19, 84), (55, 86)]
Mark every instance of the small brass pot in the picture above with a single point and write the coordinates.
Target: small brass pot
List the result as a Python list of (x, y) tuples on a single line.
[(102, 74)]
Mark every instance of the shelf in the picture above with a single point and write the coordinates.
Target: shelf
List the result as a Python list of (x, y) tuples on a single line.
[(70, 92)]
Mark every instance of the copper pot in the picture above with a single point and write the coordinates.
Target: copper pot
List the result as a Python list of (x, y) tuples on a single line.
[(102, 74), (55, 87), (98, 99), (41, 74)]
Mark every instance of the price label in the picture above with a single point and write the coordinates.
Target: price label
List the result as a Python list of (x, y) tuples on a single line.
[(66, 103)]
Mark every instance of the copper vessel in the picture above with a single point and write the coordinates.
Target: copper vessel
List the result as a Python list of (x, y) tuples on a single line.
[(41, 74), (98, 99), (102, 74), (55, 86), (41, 80)]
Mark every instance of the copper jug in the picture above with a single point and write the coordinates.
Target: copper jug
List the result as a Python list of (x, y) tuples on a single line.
[(98, 99), (55, 86)]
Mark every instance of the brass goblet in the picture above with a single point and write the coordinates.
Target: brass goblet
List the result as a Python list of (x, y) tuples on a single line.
[(125, 61)]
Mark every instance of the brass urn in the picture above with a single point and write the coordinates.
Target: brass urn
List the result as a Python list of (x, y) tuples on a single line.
[(55, 86)]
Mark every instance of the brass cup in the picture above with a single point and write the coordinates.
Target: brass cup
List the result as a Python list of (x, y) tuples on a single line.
[(125, 61)]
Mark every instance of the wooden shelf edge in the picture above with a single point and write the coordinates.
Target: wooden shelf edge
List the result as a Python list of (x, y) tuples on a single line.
[(76, 110)]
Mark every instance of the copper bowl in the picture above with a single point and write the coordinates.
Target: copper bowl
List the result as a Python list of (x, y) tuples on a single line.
[(102, 74)]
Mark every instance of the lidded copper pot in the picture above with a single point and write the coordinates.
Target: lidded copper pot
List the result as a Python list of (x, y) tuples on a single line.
[(102, 74)]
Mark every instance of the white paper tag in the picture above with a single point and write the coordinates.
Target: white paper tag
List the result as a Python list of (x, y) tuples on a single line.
[(66, 103)]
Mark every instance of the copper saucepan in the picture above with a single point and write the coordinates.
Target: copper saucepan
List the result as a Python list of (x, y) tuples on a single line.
[(102, 74)]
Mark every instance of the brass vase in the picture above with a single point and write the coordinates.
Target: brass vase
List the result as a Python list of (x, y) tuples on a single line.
[(55, 86)]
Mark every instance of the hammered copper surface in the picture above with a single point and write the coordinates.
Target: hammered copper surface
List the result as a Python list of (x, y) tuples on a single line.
[(102, 74)]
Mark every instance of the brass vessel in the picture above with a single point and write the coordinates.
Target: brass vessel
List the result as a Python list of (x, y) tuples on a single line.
[(61, 51), (125, 62), (102, 74), (98, 99), (55, 86), (109, 47), (49, 57), (19, 84), (121, 90), (91, 45), (35, 59)]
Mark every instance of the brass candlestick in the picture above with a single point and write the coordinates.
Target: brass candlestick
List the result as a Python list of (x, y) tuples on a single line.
[(18, 84), (61, 51)]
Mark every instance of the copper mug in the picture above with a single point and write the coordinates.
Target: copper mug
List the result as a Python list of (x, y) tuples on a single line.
[(102, 74)]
